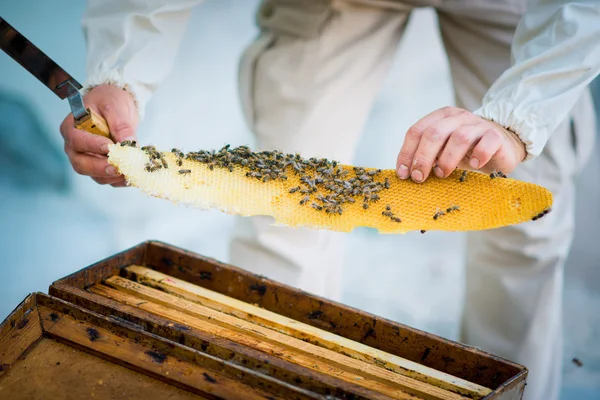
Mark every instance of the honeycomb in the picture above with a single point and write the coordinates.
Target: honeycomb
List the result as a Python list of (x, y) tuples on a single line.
[(321, 194)]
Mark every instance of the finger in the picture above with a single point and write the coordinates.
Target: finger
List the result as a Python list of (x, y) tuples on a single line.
[(432, 142), (87, 165), (120, 184), (489, 144), (413, 138), (85, 142), (121, 118), (109, 180), (457, 148)]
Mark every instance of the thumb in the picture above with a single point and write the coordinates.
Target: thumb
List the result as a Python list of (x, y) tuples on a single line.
[(117, 107)]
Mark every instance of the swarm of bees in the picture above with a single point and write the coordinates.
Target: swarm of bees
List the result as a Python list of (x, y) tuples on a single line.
[(156, 158), (324, 185)]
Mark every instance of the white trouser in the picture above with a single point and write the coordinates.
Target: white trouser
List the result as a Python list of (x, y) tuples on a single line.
[(307, 85)]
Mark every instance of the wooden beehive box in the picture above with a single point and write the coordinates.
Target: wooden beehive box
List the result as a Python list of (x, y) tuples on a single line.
[(191, 324)]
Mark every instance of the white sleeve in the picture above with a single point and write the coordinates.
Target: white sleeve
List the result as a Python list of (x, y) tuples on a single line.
[(556, 54), (133, 43)]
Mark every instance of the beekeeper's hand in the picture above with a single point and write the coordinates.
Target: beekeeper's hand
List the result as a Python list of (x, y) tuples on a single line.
[(88, 152), (451, 138)]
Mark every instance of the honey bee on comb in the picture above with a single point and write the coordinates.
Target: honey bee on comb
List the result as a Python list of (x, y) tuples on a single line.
[(242, 181)]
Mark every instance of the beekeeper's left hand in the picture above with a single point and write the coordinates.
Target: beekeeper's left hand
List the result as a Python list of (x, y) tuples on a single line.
[(451, 138)]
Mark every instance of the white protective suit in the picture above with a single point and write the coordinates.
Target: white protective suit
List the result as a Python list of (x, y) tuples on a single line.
[(307, 84)]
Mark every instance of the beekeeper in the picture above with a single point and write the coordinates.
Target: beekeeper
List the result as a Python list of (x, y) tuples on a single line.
[(307, 84)]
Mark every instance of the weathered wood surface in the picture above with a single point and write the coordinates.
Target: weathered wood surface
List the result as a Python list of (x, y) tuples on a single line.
[(52, 370), (464, 362), (453, 358), (181, 332), (125, 350), (19, 332), (158, 357), (299, 330), (296, 350)]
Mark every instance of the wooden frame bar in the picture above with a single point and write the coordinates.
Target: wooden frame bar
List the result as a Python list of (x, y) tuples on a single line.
[(125, 344), (306, 354), (506, 379), (301, 331)]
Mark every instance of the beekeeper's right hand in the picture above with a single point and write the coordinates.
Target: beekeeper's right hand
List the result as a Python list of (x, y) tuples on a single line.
[(88, 152)]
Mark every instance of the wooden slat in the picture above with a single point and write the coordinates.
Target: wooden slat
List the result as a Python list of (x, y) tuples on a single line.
[(103, 341), (53, 370), (218, 347), (454, 358), (19, 332), (252, 341), (288, 343), (299, 330)]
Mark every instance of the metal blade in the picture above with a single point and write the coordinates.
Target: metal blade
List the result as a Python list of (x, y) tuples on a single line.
[(35, 61)]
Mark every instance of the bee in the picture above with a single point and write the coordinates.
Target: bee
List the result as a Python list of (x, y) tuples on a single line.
[(305, 200), (374, 197), (388, 208), (452, 208), (185, 171), (387, 214), (350, 200), (463, 176), (438, 214), (365, 205), (294, 190), (310, 183), (373, 172), (164, 163), (365, 178), (386, 183), (297, 167), (498, 174), (577, 362), (540, 215), (316, 206), (396, 219), (253, 174), (423, 231)]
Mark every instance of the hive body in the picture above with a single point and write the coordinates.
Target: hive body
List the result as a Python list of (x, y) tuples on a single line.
[(460, 202)]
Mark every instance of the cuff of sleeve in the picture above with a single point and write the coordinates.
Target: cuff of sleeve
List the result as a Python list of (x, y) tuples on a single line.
[(139, 94), (527, 129)]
